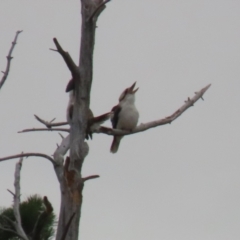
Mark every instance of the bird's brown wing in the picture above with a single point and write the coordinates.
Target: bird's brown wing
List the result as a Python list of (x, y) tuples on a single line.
[(71, 112), (116, 110)]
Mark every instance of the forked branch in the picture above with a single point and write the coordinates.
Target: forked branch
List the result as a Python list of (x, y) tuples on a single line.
[(68, 60), (44, 129), (141, 128), (50, 124), (97, 11), (93, 123), (145, 126), (9, 58)]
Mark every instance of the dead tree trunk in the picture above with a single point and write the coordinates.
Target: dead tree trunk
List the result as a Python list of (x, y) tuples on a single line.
[(72, 183), (68, 171)]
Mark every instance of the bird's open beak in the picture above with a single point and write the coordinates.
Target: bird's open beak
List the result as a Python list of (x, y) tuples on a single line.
[(131, 89)]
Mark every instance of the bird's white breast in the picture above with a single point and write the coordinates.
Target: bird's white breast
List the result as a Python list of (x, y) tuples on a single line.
[(128, 117)]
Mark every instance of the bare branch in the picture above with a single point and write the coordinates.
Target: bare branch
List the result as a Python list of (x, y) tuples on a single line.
[(90, 177), (109, 131), (145, 126), (61, 135), (12, 231), (68, 60), (44, 129), (16, 204), (28, 155), (50, 124), (9, 58), (53, 49), (98, 9), (92, 124), (11, 192), (10, 221)]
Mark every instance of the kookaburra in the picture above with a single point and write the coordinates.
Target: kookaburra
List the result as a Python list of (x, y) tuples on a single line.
[(70, 106), (94, 123), (125, 115)]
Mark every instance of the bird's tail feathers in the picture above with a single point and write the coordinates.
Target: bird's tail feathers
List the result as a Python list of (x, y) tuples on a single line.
[(115, 144)]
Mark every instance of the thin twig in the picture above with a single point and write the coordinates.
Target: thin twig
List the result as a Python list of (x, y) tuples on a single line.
[(90, 177), (55, 50), (44, 129), (50, 124), (11, 192), (61, 135), (145, 126), (9, 58), (28, 155)]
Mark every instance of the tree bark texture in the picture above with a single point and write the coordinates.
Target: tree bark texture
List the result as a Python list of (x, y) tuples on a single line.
[(71, 181)]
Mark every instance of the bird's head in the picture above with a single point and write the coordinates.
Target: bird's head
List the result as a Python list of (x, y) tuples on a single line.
[(128, 93)]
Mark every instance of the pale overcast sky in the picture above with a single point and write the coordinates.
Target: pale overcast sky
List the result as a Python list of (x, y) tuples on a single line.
[(175, 182)]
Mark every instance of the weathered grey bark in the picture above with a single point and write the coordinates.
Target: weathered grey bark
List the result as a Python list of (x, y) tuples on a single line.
[(72, 183)]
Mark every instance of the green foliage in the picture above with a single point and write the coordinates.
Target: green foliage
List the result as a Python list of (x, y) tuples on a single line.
[(30, 211)]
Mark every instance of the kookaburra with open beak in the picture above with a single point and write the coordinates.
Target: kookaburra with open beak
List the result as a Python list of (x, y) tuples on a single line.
[(125, 115)]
